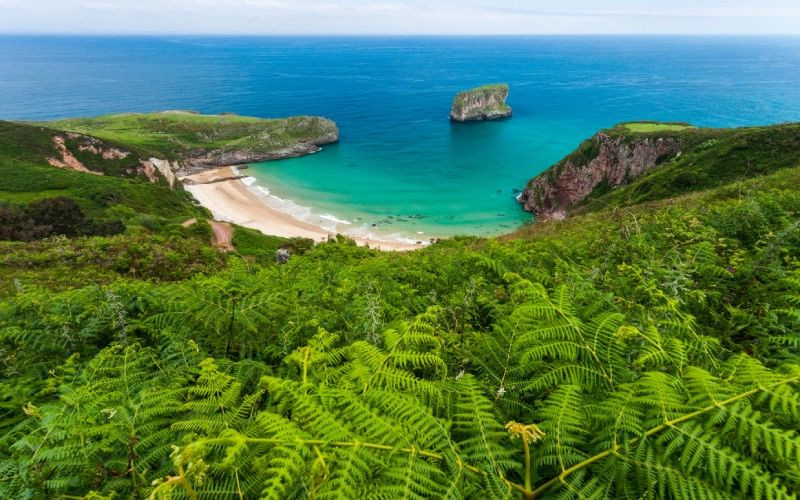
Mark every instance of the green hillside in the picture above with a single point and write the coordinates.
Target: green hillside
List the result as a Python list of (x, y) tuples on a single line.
[(646, 349), (121, 222)]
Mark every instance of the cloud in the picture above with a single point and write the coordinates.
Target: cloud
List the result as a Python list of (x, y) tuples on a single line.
[(399, 16)]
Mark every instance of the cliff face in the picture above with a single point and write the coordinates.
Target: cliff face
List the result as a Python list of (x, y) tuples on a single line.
[(602, 162), (482, 103)]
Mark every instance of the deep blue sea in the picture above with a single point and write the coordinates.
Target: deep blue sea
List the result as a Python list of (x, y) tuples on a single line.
[(401, 164)]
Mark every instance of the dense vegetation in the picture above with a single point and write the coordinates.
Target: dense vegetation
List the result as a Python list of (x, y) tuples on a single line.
[(52, 217), (645, 350)]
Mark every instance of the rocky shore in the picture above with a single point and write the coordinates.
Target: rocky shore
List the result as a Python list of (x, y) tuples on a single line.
[(328, 133)]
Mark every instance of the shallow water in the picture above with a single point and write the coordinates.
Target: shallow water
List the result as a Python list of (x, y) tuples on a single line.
[(401, 164)]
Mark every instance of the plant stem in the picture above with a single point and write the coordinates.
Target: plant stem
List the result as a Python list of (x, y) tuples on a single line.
[(528, 480)]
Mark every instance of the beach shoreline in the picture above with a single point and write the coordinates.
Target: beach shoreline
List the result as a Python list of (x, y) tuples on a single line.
[(226, 193)]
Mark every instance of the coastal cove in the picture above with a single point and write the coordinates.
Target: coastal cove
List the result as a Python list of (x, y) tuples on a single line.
[(233, 197), (401, 167), (384, 267)]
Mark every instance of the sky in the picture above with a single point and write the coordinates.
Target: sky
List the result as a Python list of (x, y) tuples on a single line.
[(369, 17)]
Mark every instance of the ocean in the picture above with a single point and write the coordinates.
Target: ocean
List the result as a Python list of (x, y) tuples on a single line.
[(401, 167)]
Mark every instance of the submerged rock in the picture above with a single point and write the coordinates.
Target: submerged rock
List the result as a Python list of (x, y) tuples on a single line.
[(482, 103)]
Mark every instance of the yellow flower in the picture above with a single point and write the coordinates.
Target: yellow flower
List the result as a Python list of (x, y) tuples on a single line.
[(530, 433)]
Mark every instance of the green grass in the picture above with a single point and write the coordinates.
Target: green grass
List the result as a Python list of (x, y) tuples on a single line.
[(178, 371), (664, 304), (62, 263), (174, 134), (709, 158), (491, 86), (29, 196), (97, 194), (27, 176), (646, 127), (586, 222), (461, 97), (261, 248)]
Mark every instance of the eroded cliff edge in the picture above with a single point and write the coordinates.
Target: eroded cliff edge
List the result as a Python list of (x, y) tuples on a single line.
[(611, 159), (482, 103)]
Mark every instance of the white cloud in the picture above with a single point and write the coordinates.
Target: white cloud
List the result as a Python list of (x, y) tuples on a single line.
[(399, 16)]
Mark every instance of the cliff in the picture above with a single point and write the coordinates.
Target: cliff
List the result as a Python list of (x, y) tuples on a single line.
[(191, 142), (641, 162), (600, 163), (482, 103)]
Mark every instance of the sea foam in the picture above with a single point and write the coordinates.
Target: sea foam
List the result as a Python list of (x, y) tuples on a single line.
[(325, 221)]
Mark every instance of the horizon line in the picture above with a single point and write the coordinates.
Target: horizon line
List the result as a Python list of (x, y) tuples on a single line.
[(375, 35)]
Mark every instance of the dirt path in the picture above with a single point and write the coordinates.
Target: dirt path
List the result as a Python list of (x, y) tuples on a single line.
[(222, 235)]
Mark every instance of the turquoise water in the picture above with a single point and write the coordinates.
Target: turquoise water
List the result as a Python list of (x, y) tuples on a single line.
[(401, 164)]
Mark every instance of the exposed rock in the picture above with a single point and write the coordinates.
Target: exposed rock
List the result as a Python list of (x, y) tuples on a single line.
[(67, 159), (204, 142), (108, 153), (202, 160), (283, 255), (153, 169), (482, 103), (601, 162), (205, 159), (165, 168)]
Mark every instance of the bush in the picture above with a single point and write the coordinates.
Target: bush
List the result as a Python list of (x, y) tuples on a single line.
[(108, 227), (61, 214)]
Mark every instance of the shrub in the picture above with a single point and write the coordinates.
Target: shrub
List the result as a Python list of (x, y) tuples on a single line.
[(61, 214)]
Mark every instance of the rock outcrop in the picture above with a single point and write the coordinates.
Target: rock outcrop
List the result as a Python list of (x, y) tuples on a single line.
[(602, 162), (164, 167), (482, 103), (99, 157), (66, 159)]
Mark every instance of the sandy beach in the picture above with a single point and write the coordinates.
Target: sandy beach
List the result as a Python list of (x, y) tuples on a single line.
[(229, 199)]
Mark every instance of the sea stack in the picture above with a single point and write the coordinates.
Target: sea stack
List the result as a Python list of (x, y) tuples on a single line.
[(482, 103)]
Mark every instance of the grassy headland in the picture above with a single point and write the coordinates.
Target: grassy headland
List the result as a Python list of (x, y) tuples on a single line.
[(174, 134)]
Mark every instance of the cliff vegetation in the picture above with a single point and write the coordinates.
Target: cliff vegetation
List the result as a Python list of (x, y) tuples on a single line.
[(638, 162)]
